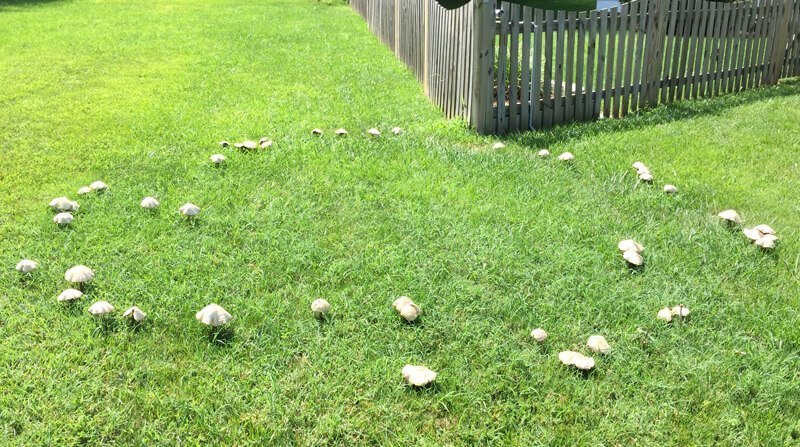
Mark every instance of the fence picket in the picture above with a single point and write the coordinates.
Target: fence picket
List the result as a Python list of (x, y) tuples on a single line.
[(525, 90), (537, 104), (580, 53), (547, 99), (569, 102)]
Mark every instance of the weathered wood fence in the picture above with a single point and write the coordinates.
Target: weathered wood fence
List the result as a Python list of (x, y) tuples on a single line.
[(506, 67)]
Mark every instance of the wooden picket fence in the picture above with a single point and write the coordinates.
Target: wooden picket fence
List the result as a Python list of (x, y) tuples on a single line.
[(507, 68)]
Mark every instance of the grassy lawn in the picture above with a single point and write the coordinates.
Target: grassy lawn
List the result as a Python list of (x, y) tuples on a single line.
[(490, 243)]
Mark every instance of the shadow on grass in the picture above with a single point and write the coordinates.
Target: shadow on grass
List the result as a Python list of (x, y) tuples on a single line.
[(220, 336), (667, 113), (18, 4)]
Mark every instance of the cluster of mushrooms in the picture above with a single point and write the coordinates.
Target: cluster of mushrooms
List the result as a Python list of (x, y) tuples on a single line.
[(631, 252), (667, 314), (342, 132), (595, 343), (646, 176), (543, 153), (761, 235)]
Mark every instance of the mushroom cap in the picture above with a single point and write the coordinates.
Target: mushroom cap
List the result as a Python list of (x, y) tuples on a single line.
[(680, 311), (544, 153), (598, 343), (498, 145), (566, 156), (149, 203), (98, 186), (79, 274), (731, 216), (633, 258), (670, 189), (320, 306), (265, 144), (64, 204), (753, 234), (63, 218), (765, 229), (397, 130), (642, 170), (665, 314), (316, 132), (638, 165), (341, 131), (401, 302), (217, 159), (189, 209), (374, 132), (26, 266), (213, 315), (135, 314), (630, 245), (410, 312), (263, 140), (417, 375), (646, 177), (249, 144), (767, 241), (83, 190), (70, 295), (238, 145), (101, 308), (539, 335), (576, 359), (224, 143)]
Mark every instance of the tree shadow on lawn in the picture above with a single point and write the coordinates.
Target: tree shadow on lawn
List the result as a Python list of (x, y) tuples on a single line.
[(8, 5), (667, 113)]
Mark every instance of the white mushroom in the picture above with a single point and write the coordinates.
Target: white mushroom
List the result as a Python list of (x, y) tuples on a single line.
[(83, 190), (98, 186), (566, 156), (633, 258), (646, 177), (340, 132), (765, 229), (410, 312), (374, 132), (753, 234), (397, 130), (69, 295), (544, 153), (213, 315), (224, 143), (79, 274), (238, 145), (767, 241), (320, 307), (189, 210), (598, 343), (265, 144), (630, 245), (730, 216), (316, 132), (680, 311), (401, 302), (63, 218), (638, 165), (64, 204), (249, 144), (665, 314), (217, 159), (539, 335), (26, 266), (149, 203), (135, 314), (576, 359), (416, 375), (670, 189), (498, 145), (643, 170), (264, 140), (101, 308)]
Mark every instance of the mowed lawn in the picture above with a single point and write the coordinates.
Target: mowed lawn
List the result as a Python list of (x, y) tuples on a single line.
[(490, 243)]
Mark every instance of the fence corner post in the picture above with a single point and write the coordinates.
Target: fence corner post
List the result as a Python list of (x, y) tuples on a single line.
[(482, 66), (779, 43)]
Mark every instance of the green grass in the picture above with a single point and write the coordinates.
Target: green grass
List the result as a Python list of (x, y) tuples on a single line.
[(490, 243)]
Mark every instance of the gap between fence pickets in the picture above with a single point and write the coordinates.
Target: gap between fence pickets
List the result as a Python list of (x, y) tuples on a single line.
[(588, 65)]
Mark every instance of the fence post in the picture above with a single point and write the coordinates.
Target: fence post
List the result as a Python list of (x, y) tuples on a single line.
[(779, 43), (426, 5), (654, 51), (483, 67)]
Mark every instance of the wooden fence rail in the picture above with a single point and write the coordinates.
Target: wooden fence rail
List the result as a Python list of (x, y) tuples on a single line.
[(507, 67)]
